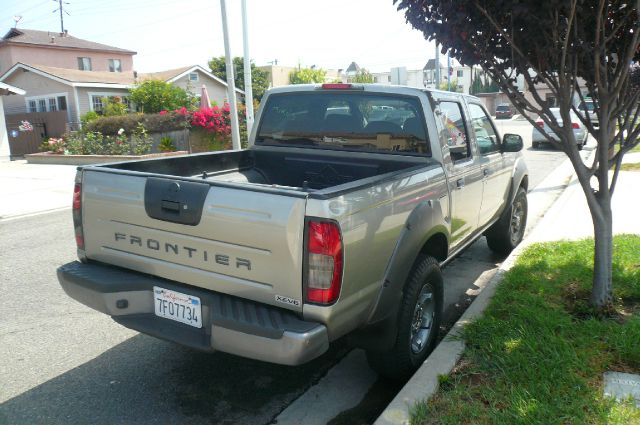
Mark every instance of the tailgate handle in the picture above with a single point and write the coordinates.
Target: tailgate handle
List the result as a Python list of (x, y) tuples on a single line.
[(174, 200), (171, 206)]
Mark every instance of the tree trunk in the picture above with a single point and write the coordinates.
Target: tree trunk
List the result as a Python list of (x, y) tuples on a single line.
[(601, 293)]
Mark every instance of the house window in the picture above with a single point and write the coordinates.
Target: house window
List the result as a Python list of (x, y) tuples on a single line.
[(115, 65), (193, 76), (97, 101), (84, 64), (62, 103), (47, 103), (460, 73)]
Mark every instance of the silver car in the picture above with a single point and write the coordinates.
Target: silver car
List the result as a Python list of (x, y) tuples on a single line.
[(579, 130)]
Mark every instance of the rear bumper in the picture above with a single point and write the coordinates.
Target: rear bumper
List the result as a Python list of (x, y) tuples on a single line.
[(232, 325)]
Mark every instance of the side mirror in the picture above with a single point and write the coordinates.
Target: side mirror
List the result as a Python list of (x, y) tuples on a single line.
[(512, 143)]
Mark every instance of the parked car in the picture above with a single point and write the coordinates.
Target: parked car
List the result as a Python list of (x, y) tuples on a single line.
[(329, 224), (589, 108), (504, 111), (579, 130)]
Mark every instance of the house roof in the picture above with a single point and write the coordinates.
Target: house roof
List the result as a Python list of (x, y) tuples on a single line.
[(6, 89), (172, 75), (164, 75), (431, 64), (55, 39), (78, 78), (353, 67)]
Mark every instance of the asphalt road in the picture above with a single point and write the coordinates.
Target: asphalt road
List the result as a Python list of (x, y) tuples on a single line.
[(63, 363)]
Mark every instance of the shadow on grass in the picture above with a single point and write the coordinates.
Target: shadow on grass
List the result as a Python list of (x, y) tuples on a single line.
[(538, 354)]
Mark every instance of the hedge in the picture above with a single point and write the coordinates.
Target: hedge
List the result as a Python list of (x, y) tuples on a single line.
[(154, 123)]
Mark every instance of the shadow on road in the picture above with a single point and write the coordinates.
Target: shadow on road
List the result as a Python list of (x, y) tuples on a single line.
[(144, 380)]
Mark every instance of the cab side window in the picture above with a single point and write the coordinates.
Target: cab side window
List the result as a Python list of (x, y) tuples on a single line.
[(486, 135), (453, 130)]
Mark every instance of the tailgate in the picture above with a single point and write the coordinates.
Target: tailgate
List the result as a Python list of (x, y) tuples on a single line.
[(246, 243)]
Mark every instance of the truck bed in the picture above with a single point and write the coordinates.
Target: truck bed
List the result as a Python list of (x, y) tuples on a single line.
[(321, 173)]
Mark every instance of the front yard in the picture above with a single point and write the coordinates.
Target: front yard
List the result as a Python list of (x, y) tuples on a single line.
[(538, 354)]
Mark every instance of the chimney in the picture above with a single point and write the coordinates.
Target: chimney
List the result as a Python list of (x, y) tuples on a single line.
[(53, 39), (66, 33)]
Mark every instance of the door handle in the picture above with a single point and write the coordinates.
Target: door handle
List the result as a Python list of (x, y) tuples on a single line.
[(485, 172), (460, 183)]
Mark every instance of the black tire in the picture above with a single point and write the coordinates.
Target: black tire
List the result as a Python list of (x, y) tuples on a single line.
[(508, 232), (419, 320)]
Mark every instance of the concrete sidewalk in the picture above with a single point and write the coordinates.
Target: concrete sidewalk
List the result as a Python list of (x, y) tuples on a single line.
[(27, 189), (567, 218)]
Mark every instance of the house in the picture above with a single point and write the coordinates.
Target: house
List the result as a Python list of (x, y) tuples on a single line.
[(426, 77), (61, 50), (52, 89), (191, 79)]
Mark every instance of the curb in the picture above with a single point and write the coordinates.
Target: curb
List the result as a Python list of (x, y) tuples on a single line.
[(425, 382)]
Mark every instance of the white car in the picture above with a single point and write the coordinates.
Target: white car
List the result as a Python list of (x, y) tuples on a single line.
[(579, 131)]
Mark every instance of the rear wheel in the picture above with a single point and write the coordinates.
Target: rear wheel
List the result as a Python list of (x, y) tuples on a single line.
[(418, 322), (508, 232)]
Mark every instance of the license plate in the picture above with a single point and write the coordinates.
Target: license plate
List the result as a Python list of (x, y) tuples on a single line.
[(177, 306)]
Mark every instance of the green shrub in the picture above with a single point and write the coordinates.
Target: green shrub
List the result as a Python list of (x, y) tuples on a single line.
[(153, 96), (140, 141), (113, 106), (167, 145), (153, 123), (88, 117)]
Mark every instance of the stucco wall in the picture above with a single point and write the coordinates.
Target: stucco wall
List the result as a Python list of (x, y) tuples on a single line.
[(59, 57), (36, 85)]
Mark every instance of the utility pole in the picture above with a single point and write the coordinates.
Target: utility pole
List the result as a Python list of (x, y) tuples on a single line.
[(231, 85), (248, 90), (61, 9), (449, 72), (437, 67)]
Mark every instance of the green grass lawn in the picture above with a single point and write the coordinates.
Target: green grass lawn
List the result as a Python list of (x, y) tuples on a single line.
[(630, 166), (538, 354)]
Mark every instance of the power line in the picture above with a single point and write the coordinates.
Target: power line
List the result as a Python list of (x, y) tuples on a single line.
[(27, 10)]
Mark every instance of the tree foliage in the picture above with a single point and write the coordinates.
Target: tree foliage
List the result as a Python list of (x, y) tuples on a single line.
[(570, 49), (259, 77), (451, 85), (362, 76), (483, 84), (307, 76), (153, 96)]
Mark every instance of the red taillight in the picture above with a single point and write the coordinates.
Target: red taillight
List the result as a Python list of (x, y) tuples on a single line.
[(324, 262), (540, 124), (77, 215), (575, 125), (77, 190), (336, 86)]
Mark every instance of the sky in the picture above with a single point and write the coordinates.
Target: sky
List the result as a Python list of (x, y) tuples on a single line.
[(168, 34)]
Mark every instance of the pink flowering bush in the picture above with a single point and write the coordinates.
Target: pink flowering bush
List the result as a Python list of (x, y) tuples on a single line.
[(216, 122), (53, 145)]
